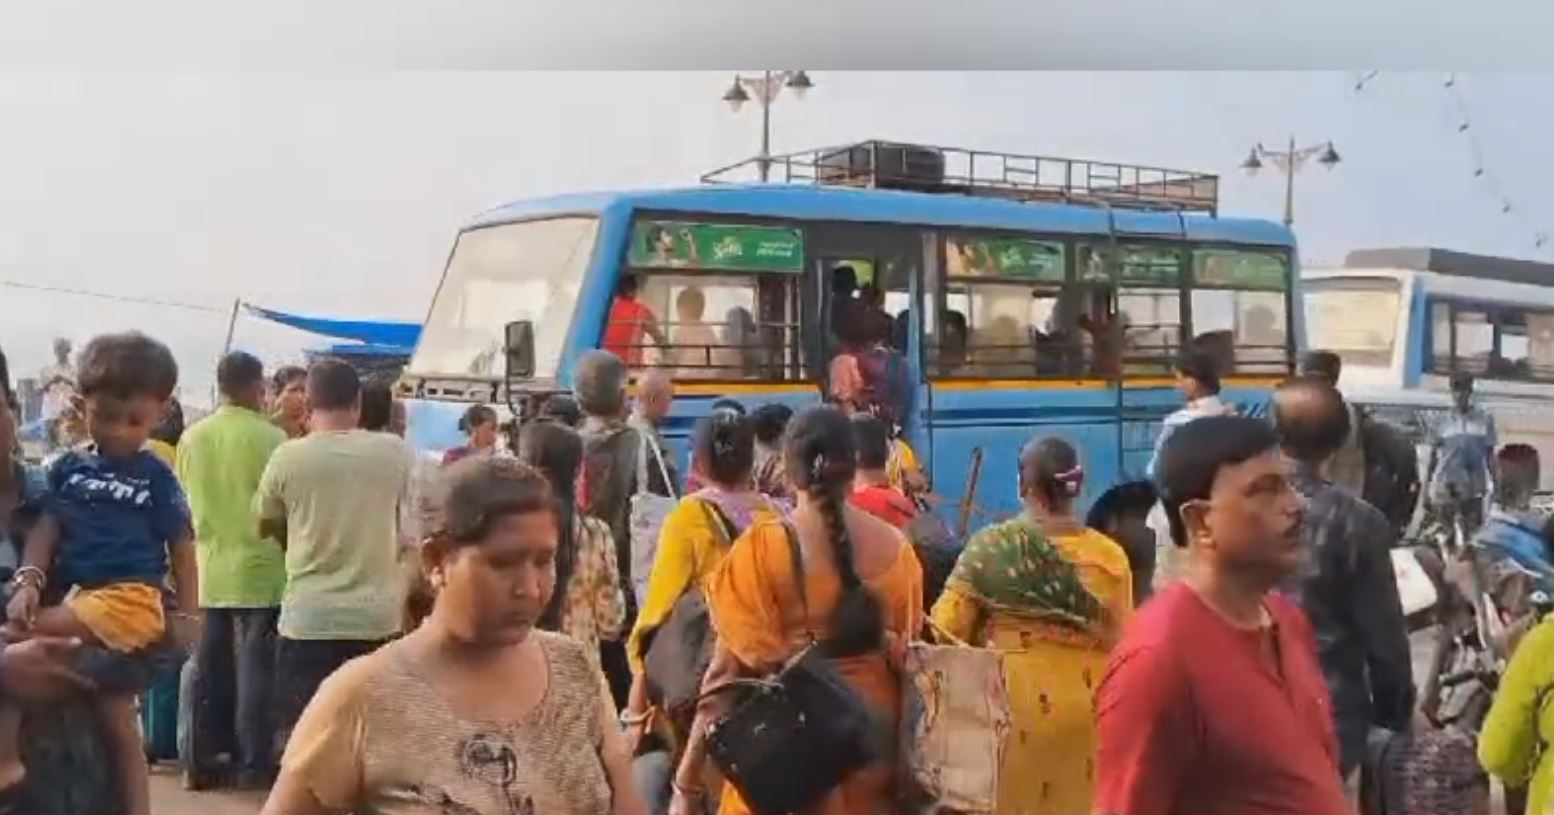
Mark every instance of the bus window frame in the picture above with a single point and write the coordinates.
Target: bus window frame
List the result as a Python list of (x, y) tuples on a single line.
[(941, 281), (935, 279), (1492, 309), (793, 361), (1284, 253), (1112, 246)]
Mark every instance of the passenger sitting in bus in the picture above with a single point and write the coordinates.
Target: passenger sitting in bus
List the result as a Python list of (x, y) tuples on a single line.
[(740, 354), (952, 344), (692, 341), (1102, 335), (629, 322)]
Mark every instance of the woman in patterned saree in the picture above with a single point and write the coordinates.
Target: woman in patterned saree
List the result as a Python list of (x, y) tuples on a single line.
[(1054, 595), (589, 604)]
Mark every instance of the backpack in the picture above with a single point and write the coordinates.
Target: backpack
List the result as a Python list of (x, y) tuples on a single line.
[(1391, 470), (678, 652), (887, 385), (1423, 773)]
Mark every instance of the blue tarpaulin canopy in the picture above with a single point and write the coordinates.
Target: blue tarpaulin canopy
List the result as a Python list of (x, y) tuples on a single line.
[(376, 336)]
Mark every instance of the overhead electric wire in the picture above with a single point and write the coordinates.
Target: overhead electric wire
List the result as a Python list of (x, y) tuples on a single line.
[(120, 298)]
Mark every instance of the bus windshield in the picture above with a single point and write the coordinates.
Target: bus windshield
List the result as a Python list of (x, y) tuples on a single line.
[(498, 274), (1355, 318)]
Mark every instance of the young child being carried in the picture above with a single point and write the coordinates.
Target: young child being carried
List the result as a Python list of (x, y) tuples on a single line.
[(113, 518)]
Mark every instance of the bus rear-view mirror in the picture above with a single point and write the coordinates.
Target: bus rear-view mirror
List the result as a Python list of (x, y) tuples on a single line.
[(520, 349)]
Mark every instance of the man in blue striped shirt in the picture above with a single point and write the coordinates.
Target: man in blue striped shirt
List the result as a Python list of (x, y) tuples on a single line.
[(1461, 463)]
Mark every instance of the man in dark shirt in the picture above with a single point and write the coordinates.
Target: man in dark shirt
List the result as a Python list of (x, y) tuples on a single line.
[(1349, 590), (1214, 702), (611, 446)]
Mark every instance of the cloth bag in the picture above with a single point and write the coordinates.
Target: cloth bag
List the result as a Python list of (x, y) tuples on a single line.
[(955, 724), (648, 511)]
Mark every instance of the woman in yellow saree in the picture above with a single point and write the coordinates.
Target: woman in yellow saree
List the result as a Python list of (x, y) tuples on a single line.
[(1054, 596)]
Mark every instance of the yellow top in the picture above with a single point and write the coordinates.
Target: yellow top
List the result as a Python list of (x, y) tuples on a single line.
[(1513, 745), (903, 462), (689, 551), (163, 451)]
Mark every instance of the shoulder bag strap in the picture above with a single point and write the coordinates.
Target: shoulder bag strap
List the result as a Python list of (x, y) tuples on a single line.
[(642, 454), (649, 446), (722, 528), (796, 553)]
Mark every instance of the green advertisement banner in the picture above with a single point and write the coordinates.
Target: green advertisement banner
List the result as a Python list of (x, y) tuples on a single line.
[(1006, 257), (1231, 269), (1145, 265), (738, 248)]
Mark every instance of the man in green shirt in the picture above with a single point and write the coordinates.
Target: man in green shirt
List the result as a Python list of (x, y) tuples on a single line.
[(220, 461), (335, 497)]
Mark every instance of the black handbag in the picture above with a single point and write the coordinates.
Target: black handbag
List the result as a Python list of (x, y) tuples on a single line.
[(796, 735)]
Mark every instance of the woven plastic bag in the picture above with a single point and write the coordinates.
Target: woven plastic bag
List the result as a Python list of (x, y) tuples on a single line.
[(954, 728)]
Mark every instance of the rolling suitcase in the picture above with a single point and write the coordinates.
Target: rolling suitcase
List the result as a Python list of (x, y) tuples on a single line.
[(159, 719)]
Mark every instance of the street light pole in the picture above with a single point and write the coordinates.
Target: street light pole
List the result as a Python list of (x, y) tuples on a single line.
[(1290, 162), (764, 89), (767, 96)]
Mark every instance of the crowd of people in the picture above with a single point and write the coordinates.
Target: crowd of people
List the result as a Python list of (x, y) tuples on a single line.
[(551, 617)]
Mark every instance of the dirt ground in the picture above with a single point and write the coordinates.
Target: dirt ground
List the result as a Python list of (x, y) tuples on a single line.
[(168, 798)]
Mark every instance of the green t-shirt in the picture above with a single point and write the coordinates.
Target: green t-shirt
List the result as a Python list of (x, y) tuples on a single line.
[(341, 495), (219, 462)]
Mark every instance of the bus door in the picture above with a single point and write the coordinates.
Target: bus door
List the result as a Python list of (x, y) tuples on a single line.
[(853, 263)]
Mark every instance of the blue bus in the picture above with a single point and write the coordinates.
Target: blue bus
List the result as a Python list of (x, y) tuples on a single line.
[(1029, 295)]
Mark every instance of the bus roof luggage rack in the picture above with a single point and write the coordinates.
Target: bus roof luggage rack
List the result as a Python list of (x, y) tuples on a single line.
[(980, 174)]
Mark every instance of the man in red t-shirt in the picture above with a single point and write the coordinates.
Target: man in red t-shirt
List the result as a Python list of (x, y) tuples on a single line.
[(1214, 702), (629, 322), (872, 490)]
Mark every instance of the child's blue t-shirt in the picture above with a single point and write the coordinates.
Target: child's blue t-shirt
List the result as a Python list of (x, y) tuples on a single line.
[(116, 518)]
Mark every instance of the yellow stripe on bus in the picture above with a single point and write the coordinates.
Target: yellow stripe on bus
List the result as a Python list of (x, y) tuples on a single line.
[(699, 388), (1094, 383)]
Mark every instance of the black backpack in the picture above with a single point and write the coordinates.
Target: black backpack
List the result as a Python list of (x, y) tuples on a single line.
[(679, 650)]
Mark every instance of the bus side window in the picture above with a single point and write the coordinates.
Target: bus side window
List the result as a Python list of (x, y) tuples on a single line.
[(723, 327)]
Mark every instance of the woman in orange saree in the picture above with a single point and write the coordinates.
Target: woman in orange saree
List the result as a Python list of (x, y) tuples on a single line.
[(861, 596)]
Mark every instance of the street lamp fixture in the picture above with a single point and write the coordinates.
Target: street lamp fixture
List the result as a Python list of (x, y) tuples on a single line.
[(1253, 163), (800, 84), (736, 97), (1290, 162), (764, 89)]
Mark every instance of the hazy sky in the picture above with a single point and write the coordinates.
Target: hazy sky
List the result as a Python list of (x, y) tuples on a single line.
[(340, 194)]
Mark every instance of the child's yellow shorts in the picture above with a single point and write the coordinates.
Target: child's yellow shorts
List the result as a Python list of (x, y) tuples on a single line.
[(122, 616)]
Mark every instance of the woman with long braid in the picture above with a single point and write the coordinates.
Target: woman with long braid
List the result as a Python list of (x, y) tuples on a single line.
[(861, 598), (588, 604)]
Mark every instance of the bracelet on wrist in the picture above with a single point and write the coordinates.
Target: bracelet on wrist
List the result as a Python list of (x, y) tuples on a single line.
[(688, 792), (628, 718), (30, 576)]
